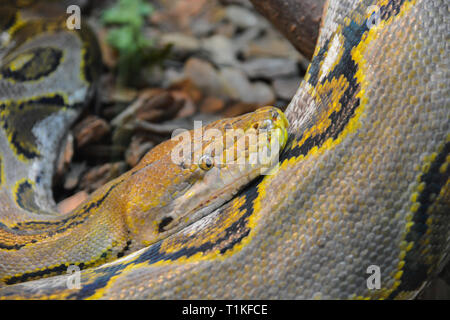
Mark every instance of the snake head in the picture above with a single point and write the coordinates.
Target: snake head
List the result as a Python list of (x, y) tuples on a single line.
[(185, 178)]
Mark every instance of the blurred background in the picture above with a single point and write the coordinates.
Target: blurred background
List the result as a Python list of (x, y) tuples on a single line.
[(165, 64)]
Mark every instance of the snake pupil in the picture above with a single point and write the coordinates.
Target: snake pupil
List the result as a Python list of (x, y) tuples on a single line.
[(206, 162)]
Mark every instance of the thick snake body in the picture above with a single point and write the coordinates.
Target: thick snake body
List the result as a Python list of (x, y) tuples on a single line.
[(175, 184), (363, 181)]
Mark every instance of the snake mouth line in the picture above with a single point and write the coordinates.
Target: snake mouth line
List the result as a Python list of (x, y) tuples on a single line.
[(227, 193)]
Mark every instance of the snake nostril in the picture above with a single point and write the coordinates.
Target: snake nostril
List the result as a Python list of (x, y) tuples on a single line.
[(184, 165), (164, 222), (275, 115)]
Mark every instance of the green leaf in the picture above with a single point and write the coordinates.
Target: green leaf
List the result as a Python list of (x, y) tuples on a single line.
[(127, 12), (135, 50), (122, 39)]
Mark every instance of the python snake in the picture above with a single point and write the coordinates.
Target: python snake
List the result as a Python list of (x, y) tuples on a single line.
[(362, 181)]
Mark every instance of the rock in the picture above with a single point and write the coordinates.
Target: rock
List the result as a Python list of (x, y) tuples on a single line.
[(270, 46), (65, 156), (220, 50), (242, 40), (227, 83), (72, 177), (123, 95), (240, 88), (151, 105), (202, 27), (189, 107), (171, 77), (100, 175), (242, 17), (285, 88), (90, 129), (159, 107), (225, 29), (139, 146), (72, 202), (236, 84), (212, 105), (188, 87), (182, 45), (204, 76), (262, 94), (178, 14), (152, 76), (269, 68)]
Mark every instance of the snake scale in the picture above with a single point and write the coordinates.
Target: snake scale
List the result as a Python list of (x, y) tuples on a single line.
[(363, 179)]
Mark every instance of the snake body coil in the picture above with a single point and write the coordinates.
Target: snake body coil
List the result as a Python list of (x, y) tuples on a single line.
[(363, 180)]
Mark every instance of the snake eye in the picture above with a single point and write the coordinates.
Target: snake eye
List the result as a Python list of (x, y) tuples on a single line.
[(206, 162)]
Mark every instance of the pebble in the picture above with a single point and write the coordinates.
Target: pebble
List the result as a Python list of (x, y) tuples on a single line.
[(212, 105), (204, 76), (139, 146), (182, 44), (188, 105), (72, 202), (90, 129), (187, 86), (123, 95), (160, 107), (220, 50), (242, 17), (238, 87), (269, 46), (145, 106), (65, 156), (72, 177), (269, 68), (100, 175), (202, 28)]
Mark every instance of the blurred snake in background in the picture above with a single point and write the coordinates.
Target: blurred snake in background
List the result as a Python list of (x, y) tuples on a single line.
[(363, 179)]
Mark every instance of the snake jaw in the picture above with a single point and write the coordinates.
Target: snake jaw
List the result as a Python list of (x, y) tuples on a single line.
[(224, 180), (210, 175)]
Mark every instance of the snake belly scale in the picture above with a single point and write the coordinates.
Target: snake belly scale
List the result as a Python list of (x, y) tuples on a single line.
[(363, 180)]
